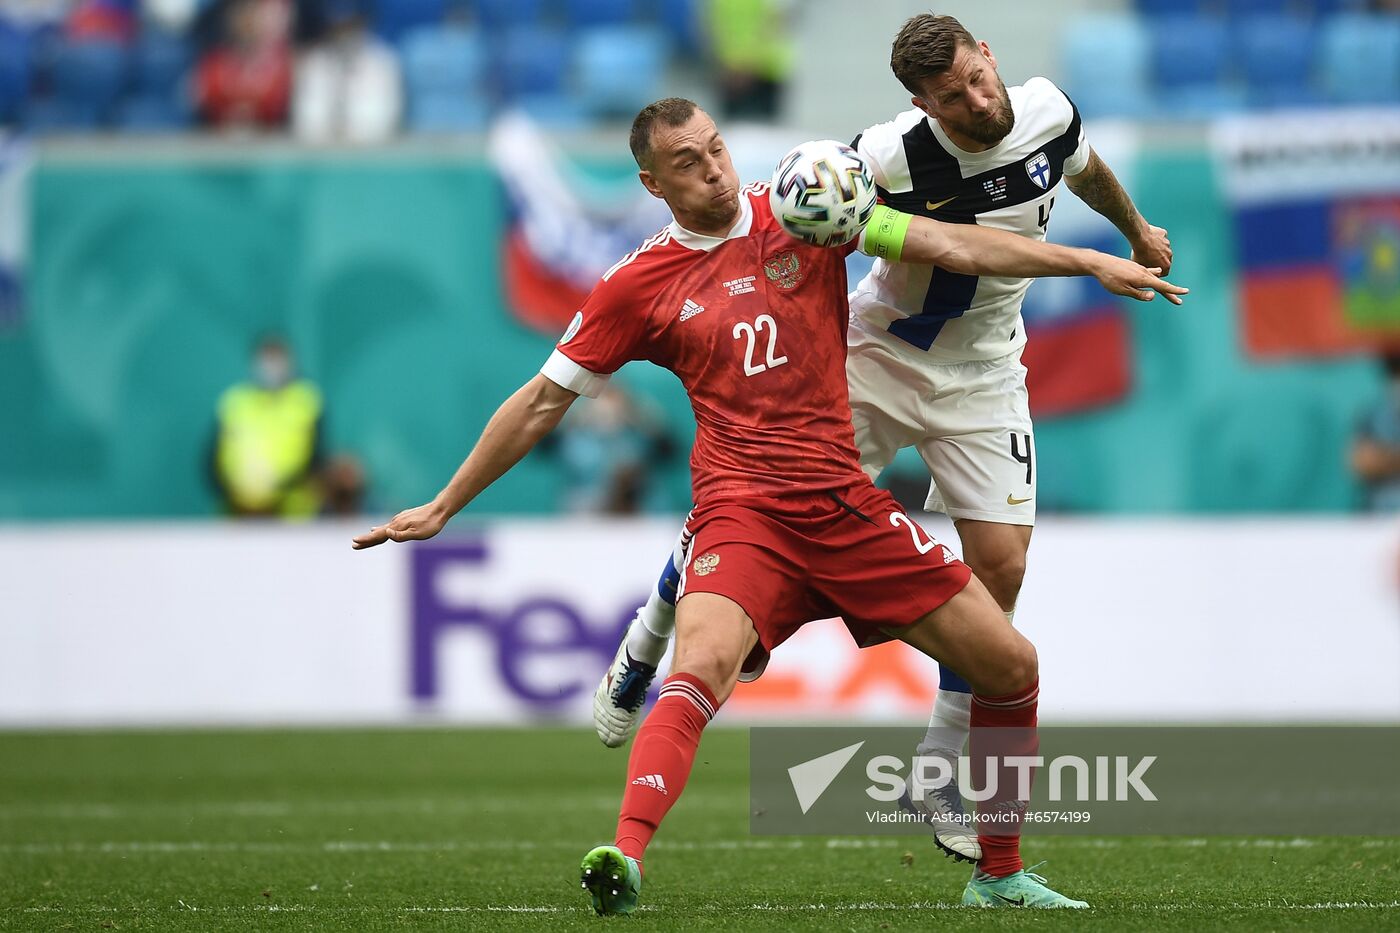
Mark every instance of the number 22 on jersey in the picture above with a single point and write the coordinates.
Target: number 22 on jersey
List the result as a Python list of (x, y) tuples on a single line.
[(750, 332)]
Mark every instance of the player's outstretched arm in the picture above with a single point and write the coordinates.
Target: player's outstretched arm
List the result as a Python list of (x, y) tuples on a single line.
[(975, 250), (517, 426), (1099, 188)]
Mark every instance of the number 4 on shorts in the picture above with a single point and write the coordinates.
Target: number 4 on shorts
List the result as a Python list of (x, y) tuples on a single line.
[(1018, 456)]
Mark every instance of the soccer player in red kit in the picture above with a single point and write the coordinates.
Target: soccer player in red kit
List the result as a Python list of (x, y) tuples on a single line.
[(786, 527)]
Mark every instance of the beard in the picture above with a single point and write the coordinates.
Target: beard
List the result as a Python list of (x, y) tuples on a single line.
[(991, 131)]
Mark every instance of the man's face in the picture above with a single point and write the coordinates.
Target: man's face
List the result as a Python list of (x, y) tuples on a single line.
[(272, 366), (970, 98), (691, 170)]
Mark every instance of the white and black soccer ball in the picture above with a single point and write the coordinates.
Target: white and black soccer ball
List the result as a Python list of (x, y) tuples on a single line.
[(822, 193)]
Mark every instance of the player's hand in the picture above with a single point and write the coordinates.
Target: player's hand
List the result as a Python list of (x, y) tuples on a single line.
[(409, 525), (1154, 250), (1127, 278)]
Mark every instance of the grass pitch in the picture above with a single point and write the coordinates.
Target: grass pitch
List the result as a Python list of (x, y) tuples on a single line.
[(464, 830)]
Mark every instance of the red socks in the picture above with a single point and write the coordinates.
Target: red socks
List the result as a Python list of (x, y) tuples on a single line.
[(662, 755), (1001, 727)]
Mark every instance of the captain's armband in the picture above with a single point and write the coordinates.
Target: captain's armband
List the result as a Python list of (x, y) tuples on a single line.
[(884, 234)]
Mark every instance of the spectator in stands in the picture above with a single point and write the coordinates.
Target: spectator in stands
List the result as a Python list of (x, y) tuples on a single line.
[(343, 481), (753, 50), (244, 80), (608, 448), (171, 16), (267, 448), (348, 85), (1375, 451)]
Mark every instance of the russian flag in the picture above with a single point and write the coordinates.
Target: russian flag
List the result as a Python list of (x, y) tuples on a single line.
[(1319, 276), (1078, 353)]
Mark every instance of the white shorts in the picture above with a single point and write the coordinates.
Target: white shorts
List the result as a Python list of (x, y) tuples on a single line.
[(971, 423)]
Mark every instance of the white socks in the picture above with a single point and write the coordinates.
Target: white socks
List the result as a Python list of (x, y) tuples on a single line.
[(950, 723), (647, 642)]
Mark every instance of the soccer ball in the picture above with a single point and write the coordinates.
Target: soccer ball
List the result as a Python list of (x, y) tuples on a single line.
[(822, 193)]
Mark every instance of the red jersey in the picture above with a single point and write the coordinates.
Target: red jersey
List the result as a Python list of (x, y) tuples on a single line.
[(754, 324)]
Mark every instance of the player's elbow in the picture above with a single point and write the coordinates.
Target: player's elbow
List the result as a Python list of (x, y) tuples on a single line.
[(958, 257), (545, 404)]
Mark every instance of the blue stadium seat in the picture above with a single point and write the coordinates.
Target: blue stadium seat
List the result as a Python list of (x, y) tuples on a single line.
[(682, 21), (1241, 8), (1330, 7), (448, 59), (14, 72), (583, 14), (1191, 62), (619, 69), (44, 115), (154, 114), (1173, 7), (88, 80), (531, 60), (1106, 59), (444, 69), (560, 111), (439, 112), (394, 18), (508, 14), (1189, 50), (1276, 58), (159, 62), (1359, 60)]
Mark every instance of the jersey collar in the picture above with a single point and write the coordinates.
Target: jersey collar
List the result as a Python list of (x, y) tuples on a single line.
[(700, 241)]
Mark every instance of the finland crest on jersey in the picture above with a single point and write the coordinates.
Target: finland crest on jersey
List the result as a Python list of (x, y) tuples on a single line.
[(950, 316), (1038, 168)]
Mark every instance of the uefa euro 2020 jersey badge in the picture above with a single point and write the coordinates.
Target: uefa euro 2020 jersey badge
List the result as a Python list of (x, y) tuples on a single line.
[(784, 270), (705, 563)]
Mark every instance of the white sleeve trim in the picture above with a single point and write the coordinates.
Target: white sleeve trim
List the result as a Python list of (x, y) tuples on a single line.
[(567, 374)]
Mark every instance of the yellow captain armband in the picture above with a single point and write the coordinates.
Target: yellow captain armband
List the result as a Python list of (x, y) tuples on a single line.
[(884, 234)]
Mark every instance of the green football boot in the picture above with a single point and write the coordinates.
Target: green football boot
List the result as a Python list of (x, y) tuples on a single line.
[(612, 880), (1019, 889)]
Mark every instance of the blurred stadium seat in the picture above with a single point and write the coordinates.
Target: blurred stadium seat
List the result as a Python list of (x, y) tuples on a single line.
[(14, 72), (444, 70), (531, 60), (88, 80), (1276, 56), (1172, 7), (160, 62), (681, 20), (1106, 58), (620, 68), (1191, 62), (583, 14), (559, 110), (1360, 58), (1241, 8), (505, 14), (394, 18)]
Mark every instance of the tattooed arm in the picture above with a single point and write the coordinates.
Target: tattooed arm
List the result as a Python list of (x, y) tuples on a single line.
[(1097, 187)]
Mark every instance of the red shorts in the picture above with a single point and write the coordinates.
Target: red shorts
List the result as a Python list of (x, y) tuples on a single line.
[(853, 554)]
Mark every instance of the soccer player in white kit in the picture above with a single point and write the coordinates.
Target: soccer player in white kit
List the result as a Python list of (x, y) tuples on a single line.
[(934, 358)]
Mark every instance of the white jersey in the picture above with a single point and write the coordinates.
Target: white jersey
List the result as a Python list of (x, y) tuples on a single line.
[(952, 316)]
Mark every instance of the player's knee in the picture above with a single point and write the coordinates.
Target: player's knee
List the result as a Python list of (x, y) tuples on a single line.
[(716, 670), (1013, 670), (1001, 572)]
